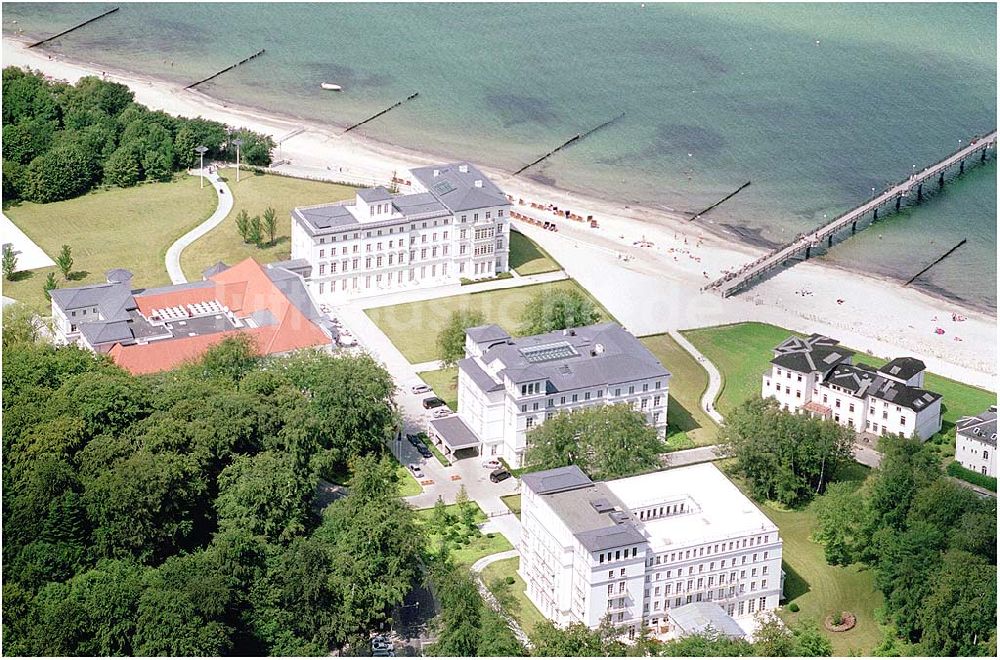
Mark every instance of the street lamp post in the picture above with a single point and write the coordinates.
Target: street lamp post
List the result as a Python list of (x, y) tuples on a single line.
[(237, 142), (201, 154)]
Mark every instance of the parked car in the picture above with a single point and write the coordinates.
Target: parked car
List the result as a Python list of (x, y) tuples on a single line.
[(420, 389), (442, 412), (498, 475), (415, 469), (432, 402), (492, 464), (382, 648), (414, 439), (424, 451)]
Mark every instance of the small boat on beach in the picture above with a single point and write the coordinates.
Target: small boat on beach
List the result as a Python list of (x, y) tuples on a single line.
[(332, 87)]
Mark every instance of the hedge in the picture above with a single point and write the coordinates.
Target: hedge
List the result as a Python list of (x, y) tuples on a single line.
[(956, 470)]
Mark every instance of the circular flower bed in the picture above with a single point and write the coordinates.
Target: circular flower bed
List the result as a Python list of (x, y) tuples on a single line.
[(847, 621)]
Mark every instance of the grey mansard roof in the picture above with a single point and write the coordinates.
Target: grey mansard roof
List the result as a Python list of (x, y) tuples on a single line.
[(486, 333), (592, 356), (376, 194), (903, 368), (982, 427), (556, 480), (814, 353), (457, 190)]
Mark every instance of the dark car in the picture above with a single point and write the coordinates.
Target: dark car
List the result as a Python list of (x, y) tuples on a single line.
[(432, 402), (414, 439), (424, 451), (498, 475)]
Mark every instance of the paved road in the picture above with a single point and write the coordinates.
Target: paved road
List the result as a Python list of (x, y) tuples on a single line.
[(714, 377), (443, 291), (691, 456), (225, 198)]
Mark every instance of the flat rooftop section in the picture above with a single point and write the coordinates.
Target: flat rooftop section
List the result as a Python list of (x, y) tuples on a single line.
[(723, 511), (695, 618), (556, 480), (454, 432)]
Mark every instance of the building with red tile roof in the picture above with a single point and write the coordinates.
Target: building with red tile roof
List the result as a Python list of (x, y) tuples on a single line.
[(152, 330)]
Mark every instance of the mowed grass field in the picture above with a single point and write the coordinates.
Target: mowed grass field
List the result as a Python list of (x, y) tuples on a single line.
[(414, 327), (527, 257), (818, 588), (742, 352), (116, 228), (689, 425), (444, 382), (522, 609), (256, 192)]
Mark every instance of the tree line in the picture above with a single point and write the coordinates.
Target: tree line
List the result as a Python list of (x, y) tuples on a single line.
[(172, 514), (61, 140)]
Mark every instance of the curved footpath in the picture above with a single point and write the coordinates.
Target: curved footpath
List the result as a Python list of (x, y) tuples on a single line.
[(477, 569), (714, 377), (225, 198)]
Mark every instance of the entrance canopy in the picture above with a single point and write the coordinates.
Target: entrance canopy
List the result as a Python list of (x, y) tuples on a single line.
[(454, 433)]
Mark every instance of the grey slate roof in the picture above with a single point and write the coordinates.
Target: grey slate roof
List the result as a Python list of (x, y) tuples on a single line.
[(596, 540), (982, 427), (556, 480), (855, 378), (592, 356), (482, 379), (455, 433), (112, 300), (486, 333), (457, 190), (121, 275), (903, 368), (290, 284), (327, 216), (418, 204), (376, 194), (698, 617), (914, 398), (215, 269), (105, 333), (814, 353)]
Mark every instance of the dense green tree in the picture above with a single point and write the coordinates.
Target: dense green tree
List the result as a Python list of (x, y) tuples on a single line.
[(976, 531), (243, 225), (607, 442), (232, 358), (267, 495), (49, 285), (64, 171), (20, 325), (9, 263), (451, 338), (13, 181), (255, 150), (27, 96), (92, 93), (959, 614), (147, 506), (27, 139), (255, 231), (841, 523), (578, 639), (706, 644), (906, 563), (123, 168), (784, 456), (558, 310)]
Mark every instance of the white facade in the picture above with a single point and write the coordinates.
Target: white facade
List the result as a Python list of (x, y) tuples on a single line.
[(662, 541), (816, 376), (502, 394), (456, 225), (976, 442)]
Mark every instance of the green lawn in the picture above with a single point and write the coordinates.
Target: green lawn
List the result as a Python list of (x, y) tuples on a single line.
[(407, 483), (444, 382), (742, 352), (255, 192), (523, 610), (120, 227), (513, 503), (414, 327), (689, 425), (527, 258), (820, 589), (476, 547)]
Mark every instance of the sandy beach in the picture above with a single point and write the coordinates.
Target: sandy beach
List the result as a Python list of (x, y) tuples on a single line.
[(647, 266)]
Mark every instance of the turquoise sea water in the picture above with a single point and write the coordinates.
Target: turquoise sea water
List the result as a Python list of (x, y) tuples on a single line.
[(816, 104)]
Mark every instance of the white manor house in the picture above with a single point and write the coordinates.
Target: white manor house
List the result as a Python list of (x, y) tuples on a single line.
[(976, 442), (455, 224), (645, 550), (507, 386), (815, 375)]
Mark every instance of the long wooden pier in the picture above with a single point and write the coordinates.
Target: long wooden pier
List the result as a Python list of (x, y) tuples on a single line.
[(801, 248)]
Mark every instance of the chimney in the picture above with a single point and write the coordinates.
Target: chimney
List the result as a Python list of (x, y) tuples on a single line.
[(479, 183), (463, 169), (437, 172), (598, 349)]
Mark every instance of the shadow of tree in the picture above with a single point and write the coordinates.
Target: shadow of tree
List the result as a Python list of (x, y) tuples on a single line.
[(21, 276), (795, 585), (77, 275)]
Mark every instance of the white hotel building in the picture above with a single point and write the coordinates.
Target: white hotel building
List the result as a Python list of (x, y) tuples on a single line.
[(456, 224), (639, 549), (507, 386), (815, 375), (976, 442)]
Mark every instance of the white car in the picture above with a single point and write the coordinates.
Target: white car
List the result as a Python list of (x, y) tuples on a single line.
[(420, 389), (442, 412), (415, 469), (492, 464)]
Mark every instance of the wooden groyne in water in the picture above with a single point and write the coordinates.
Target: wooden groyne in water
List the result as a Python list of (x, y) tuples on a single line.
[(379, 114), (575, 138), (727, 197), (935, 262), (228, 68), (75, 27)]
